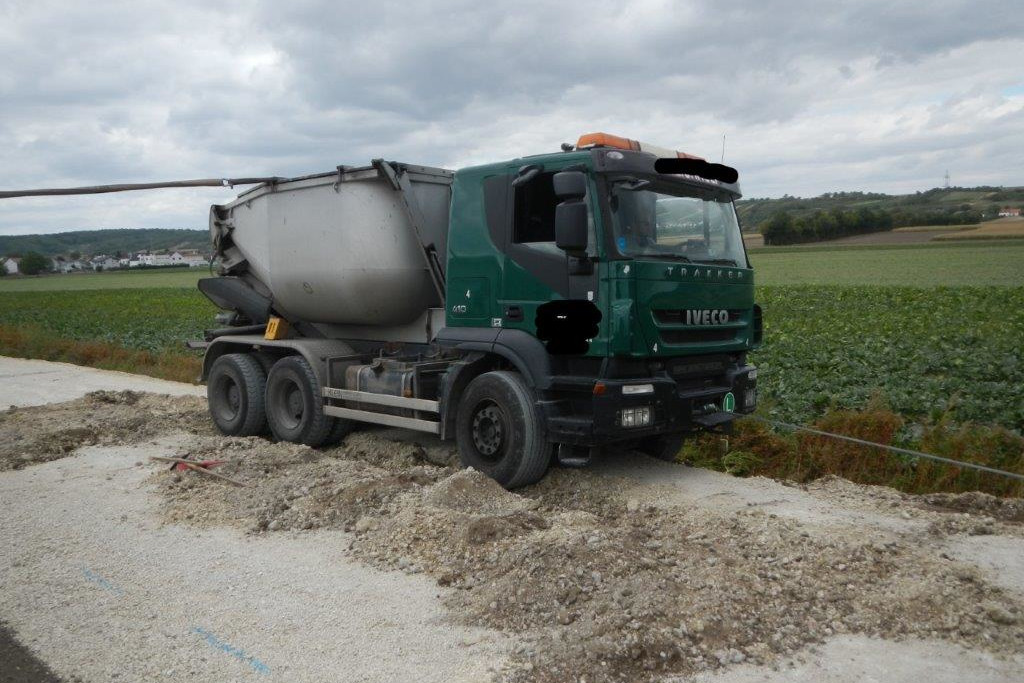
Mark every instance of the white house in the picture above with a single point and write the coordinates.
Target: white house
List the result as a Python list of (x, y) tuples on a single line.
[(58, 264), (1007, 211), (11, 265), (156, 259), (188, 257), (105, 263)]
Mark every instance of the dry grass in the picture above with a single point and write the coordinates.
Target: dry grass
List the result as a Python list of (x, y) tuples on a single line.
[(28, 342), (1004, 228), (935, 228), (756, 449)]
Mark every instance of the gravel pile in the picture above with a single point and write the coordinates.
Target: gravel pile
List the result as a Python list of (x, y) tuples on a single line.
[(598, 586), (42, 433)]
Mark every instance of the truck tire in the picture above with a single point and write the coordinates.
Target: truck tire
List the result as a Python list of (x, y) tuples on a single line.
[(295, 409), (341, 429), (499, 430), (235, 390), (663, 447)]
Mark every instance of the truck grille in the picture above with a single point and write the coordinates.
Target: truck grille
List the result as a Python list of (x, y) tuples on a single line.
[(699, 336)]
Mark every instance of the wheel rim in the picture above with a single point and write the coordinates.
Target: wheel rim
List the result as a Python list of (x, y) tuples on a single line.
[(489, 431), (292, 405), (229, 408)]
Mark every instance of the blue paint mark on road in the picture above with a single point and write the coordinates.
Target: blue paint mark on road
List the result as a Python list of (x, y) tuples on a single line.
[(239, 654), (95, 578)]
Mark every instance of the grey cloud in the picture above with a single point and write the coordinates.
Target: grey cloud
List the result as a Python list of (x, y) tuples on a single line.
[(813, 97)]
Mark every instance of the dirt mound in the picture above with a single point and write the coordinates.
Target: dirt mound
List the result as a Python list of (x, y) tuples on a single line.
[(42, 433), (473, 492), (598, 587), (296, 487), (1006, 509)]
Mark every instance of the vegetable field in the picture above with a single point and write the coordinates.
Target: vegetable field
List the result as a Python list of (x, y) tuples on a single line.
[(156, 320), (925, 351)]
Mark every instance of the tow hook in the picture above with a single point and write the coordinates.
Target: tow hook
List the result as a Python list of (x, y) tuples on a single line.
[(573, 456)]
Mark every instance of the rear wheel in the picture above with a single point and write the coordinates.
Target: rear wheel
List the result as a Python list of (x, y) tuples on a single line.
[(498, 430), (663, 447), (295, 409), (235, 391)]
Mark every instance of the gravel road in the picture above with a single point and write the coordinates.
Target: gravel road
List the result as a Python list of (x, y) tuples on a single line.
[(376, 561)]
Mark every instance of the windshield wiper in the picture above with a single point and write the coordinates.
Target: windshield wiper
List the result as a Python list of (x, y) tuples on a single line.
[(719, 261), (665, 254)]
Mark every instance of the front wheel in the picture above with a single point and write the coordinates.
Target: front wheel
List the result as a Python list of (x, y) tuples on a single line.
[(499, 430)]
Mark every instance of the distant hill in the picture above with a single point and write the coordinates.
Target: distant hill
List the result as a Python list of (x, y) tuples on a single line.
[(89, 242), (939, 206)]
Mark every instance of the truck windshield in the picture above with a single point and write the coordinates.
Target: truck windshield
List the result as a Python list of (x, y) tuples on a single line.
[(670, 223)]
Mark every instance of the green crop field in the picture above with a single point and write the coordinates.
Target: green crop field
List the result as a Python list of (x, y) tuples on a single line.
[(115, 279), (923, 350), (926, 265), (158, 319)]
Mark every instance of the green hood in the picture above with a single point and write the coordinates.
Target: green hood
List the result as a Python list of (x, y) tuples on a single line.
[(689, 308)]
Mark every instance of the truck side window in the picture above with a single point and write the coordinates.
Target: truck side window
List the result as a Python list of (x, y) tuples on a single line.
[(534, 216)]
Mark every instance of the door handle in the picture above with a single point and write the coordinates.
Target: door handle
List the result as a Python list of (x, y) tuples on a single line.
[(514, 313)]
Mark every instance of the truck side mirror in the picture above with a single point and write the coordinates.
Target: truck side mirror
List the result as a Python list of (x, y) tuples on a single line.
[(570, 184), (571, 212)]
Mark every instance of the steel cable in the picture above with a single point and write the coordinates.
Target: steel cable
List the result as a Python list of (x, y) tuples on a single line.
[(894, 449)]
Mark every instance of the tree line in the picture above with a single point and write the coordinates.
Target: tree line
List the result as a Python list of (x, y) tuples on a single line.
[(783, 228)]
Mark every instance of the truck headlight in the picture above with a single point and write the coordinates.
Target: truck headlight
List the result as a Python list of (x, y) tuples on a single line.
[(635, 417), (633, 389)]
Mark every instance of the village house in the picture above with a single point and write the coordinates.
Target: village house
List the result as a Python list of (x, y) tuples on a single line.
[(104, 262), (149, 259), (10, 265), (1008, 211), (188, 257)]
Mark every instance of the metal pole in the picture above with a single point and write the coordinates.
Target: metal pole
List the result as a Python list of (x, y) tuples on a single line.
[(128, 187)]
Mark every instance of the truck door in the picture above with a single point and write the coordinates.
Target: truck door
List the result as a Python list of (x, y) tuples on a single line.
[(536, 270)]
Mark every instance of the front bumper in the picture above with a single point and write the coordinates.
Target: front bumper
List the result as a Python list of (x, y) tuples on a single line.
[(577, 414)]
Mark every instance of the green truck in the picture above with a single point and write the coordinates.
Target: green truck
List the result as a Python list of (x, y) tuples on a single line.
[(532, 310)]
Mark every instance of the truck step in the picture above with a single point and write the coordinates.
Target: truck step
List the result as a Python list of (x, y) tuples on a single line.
[(389, 400), (384, 419)]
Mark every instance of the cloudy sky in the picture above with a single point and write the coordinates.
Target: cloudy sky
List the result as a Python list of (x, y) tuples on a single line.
[(812, 96)]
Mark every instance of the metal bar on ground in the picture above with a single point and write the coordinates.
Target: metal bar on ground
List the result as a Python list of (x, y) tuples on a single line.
[(196, 467)]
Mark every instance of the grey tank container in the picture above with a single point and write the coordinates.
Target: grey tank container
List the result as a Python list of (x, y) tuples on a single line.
[(359, 247)]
